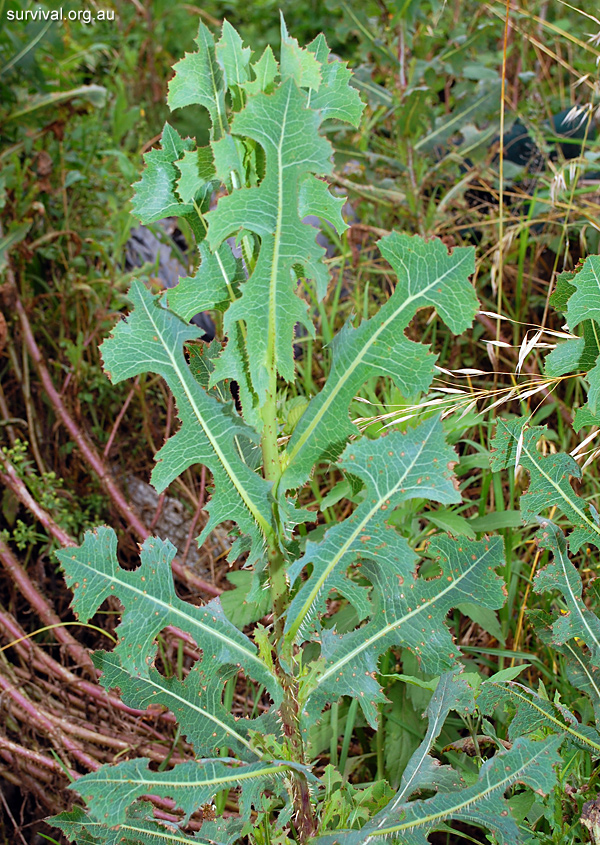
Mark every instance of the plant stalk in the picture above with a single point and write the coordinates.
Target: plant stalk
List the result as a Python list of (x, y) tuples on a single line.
[(305, 820), (272, 472)]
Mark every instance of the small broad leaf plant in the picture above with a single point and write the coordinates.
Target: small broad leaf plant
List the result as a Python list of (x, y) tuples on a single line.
[(569, 625), (267, 161)]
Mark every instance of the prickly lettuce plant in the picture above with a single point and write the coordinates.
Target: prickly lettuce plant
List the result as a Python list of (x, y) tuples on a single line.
[(570, 625), (577, 296), (267, 161)]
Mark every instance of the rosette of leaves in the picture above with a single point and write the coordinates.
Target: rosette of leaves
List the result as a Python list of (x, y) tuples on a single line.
[(269, 158)]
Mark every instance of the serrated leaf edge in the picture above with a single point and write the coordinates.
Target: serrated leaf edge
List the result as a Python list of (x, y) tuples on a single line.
[(258, 516), (391, 626), (497, 786), (297, 626), (572, 502), (575, 603), (190, 622), (513, 689), (202, 712), (341, 382)]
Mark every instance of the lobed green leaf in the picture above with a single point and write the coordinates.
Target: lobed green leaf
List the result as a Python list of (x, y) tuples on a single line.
[(265, 70), (298, 63), (139, 828), (150, 604), (482, 804), (423, 771), (401, 466), (155, 194), (408, 611), (563, 576), (199, 80), (109, 791), (533, 712), (233, 57), (335, 98), (581, 670), (578, 296), (288, 133), (584, 302), (212, 287), (427, 275), (151, 340), (549, 484)]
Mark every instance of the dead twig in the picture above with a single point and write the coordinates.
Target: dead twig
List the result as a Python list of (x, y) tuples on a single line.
[(91, 456), (37, 601)]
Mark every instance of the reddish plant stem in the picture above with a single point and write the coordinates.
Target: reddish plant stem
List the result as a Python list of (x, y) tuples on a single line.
[(42, 608), (96, 737), (13, 630), (10, 479), (80, 704), (16, 826), (86, 448), (199, 508), (28, 781), (33, 716), (46, 762), (38, 760), (119, 419), (6, 416), (158, 511), (59, 740), (93, 459), (192, 581), (40, 775), (42, 661)]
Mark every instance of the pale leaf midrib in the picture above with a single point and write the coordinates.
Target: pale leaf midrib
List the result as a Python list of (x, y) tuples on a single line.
[(560, 491), (577, 602), (334, 668), (209, 48), (237, 774), (167, 836), (551, 718), (347, 544), (584, 668), (581, 318), (189, 620), (205, 713), (498, 785), (431, 732), (341, 382), (264, 525), (272, 319)]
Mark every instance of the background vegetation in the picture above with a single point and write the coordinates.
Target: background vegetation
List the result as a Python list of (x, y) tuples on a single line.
[(466, 137)]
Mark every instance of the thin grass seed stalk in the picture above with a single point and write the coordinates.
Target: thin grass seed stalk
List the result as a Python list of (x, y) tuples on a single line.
[(269, 153)]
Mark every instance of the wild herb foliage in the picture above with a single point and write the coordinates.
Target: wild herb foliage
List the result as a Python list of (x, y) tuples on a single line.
[(570, 625), (267, 157), (515, 444), (577, 296), (573, 632)]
